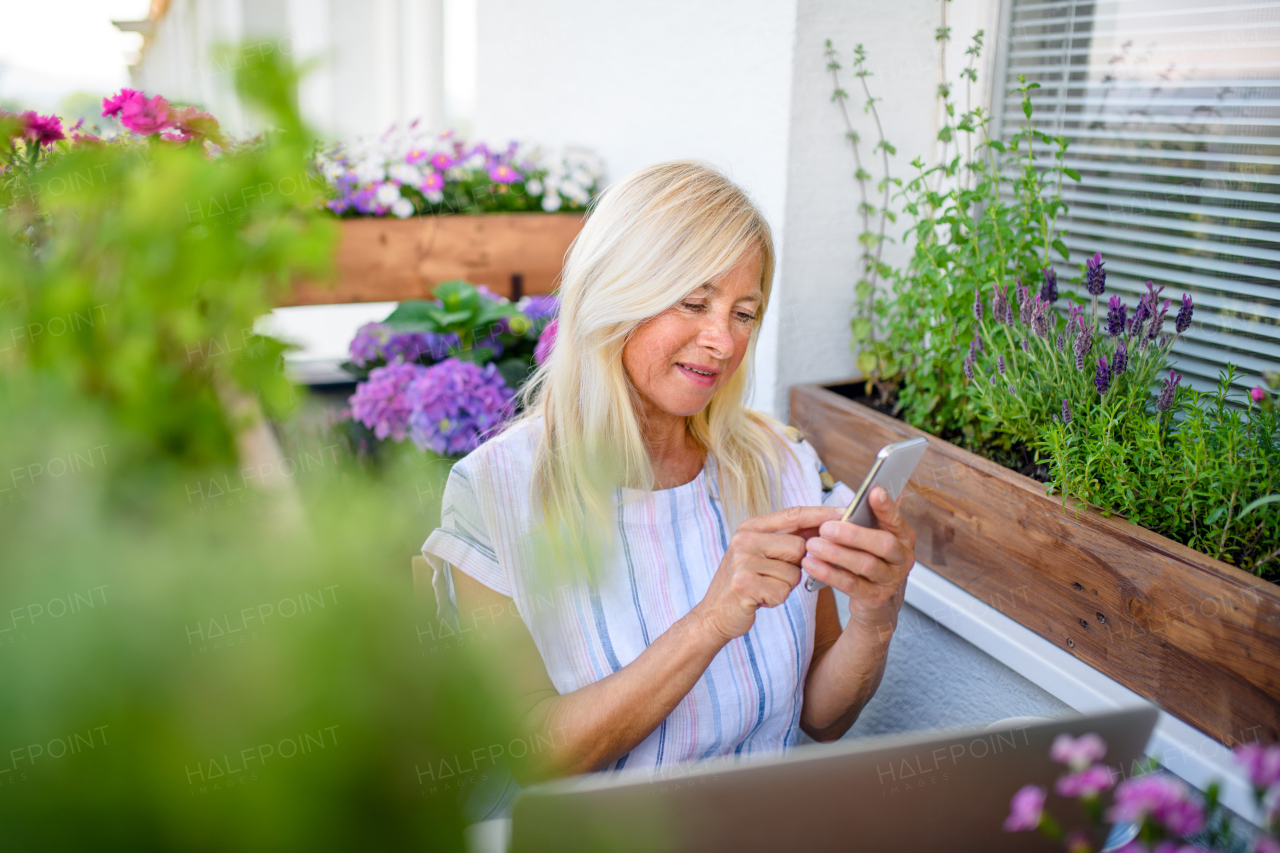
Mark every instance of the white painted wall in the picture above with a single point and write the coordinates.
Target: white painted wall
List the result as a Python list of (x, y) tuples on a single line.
[(643, 83)]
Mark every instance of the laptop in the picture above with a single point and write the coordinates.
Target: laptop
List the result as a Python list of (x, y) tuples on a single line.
[(927, 791)]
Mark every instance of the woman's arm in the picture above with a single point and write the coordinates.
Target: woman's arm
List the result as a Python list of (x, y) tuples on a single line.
[(871, 567), (595, 725)]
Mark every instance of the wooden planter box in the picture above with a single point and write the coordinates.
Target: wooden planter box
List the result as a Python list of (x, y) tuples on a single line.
[(1196, 636), (383, 259)]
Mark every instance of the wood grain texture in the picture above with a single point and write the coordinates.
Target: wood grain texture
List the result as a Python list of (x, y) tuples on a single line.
[(1197, 636), (390, 260)]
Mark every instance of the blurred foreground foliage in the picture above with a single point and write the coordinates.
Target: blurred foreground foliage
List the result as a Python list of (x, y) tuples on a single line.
[(200, 649)]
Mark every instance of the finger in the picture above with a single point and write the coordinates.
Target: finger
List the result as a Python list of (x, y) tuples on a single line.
[(888, 513), (778, 570), (881, 543), (855, 561), (791, 520), (779, 546), (836, 578)]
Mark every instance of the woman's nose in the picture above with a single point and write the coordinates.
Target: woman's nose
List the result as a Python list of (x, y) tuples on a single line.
[(717, 336)]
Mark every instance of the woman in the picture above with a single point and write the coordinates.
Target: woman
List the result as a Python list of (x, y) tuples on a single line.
[(643, 534)]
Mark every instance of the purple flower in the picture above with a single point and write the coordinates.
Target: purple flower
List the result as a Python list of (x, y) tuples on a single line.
[(42, 130), (504, 174), (1257, 394), (1157, 322), (977, 305), (1025, 809), (1102, 379), (1085, 783), (1049, 290), (112, 106), (1066, 412), (457, 405), (1077, 753), (1165, 400), (1262, 762), (1000, 364), (1120, 361), (1116, 311), (432, 182), (383, 402), (411, 346), (1140, 316), (1183, 322), (975, 345), (1024, 304), (968, 367), (1083, 342), (993, 380), (1039, 318), (539, 307), (366, 346), (545, 342), (1026, 347), (1000, 304), (441, 161), (1160, 798), (1062, 341), (1095, 276)]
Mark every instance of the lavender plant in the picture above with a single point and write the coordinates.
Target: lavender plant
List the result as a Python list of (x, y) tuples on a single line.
[(1096, 400)]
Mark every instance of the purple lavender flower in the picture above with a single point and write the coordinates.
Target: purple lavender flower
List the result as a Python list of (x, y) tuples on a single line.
[(456, 405), (1102, 379), (1000, 304), (383, 402), (1066, 412), (975, 345), (993, 380), (1095, 275), (1026, 809), (1157, 322), (545, 341), (1024, 304), (968, 367), (1083, 342), (1012, 391), (1140, 316), (1120, 361), (1074, 310), (1163, 799), (1049, 289), (1183, 322), (977, 305), (1026, 347), (1062, 341), (1039, 318), (1165, 400), (1000, 364), (1116, 321)]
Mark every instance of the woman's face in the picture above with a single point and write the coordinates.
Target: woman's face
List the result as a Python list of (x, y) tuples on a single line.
[(679, 359)]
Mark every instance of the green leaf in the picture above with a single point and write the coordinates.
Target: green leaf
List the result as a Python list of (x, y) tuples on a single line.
[(1072, 174), (866, 362), (861, 327), (1260, 502), (1061, 249), (414, 315), (1216, 514)]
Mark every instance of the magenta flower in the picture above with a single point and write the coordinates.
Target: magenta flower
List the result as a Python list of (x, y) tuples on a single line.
[(383, 403), (504, 174), (1086, 783), (416, 156), (1078, 752), (1262, 762), (42, 130), (1025, 809), (144, 116), (545, 342), (1257, 394), (441, 161), (112, 106), (1162, 799), (432, 182)]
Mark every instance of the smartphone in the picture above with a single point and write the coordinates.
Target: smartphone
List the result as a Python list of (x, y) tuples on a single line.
[(893, 467)]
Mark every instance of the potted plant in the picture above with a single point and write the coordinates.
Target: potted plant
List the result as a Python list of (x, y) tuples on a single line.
[(418, 209), (1065, 552)]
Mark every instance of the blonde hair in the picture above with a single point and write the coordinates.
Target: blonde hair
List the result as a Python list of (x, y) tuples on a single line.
[(649, 241)]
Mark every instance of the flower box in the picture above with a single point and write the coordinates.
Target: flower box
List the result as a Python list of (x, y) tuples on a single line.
[(391, 260), (1195, 635)]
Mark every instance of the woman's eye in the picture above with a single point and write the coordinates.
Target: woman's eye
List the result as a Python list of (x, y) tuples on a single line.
[(745, 317), (694, 306)]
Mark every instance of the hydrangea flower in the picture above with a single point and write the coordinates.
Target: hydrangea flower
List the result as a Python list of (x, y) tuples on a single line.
[(537, 307), (1026, 809), (383, 402), (456, 405)]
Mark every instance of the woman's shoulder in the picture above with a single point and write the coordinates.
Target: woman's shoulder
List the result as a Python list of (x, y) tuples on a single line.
[(506, 455), (797, 450)]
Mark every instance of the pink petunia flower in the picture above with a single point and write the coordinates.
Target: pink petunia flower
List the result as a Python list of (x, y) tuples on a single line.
[(42, 130), (1025, 809), (112, 106), (1262, 762), (145, 117), (441, 161), (1078, 753), (1086, 783), (432, 182)]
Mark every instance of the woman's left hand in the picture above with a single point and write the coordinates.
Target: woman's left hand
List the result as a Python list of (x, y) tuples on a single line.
[(869, 565)]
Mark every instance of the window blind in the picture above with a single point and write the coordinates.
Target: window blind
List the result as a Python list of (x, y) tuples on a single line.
[(1172, 108)]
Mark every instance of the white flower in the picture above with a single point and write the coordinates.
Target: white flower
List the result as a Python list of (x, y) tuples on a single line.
[(581, 178), (405, 174), (533, 186), (387, 194), (402, 208), (435, 196), (370, 171), (551, 202)]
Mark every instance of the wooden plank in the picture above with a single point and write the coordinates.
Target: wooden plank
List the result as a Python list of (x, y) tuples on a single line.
[(390, 260), (1197, 636)]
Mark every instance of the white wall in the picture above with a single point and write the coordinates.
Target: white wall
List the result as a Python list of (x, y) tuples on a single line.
[(642, 83)]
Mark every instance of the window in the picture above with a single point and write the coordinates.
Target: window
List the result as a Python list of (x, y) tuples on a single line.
[(1172, 108)]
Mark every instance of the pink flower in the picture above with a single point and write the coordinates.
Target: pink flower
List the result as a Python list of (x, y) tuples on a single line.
[(1266, 844), (1025, 809), (192, 123), (112, 106), (416, 156), (441, 161), (144, 116), (1163, 799), (1086, 783), (1078, 753), (503, 174), (1262, 762), (1258, 394), (42, 130), (433, 182), (545, 342)]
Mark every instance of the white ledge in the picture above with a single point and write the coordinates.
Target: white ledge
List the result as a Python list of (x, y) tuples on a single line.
[(1182, 749)]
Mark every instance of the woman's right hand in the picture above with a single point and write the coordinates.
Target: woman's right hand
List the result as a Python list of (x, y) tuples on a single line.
[(760, 567)]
